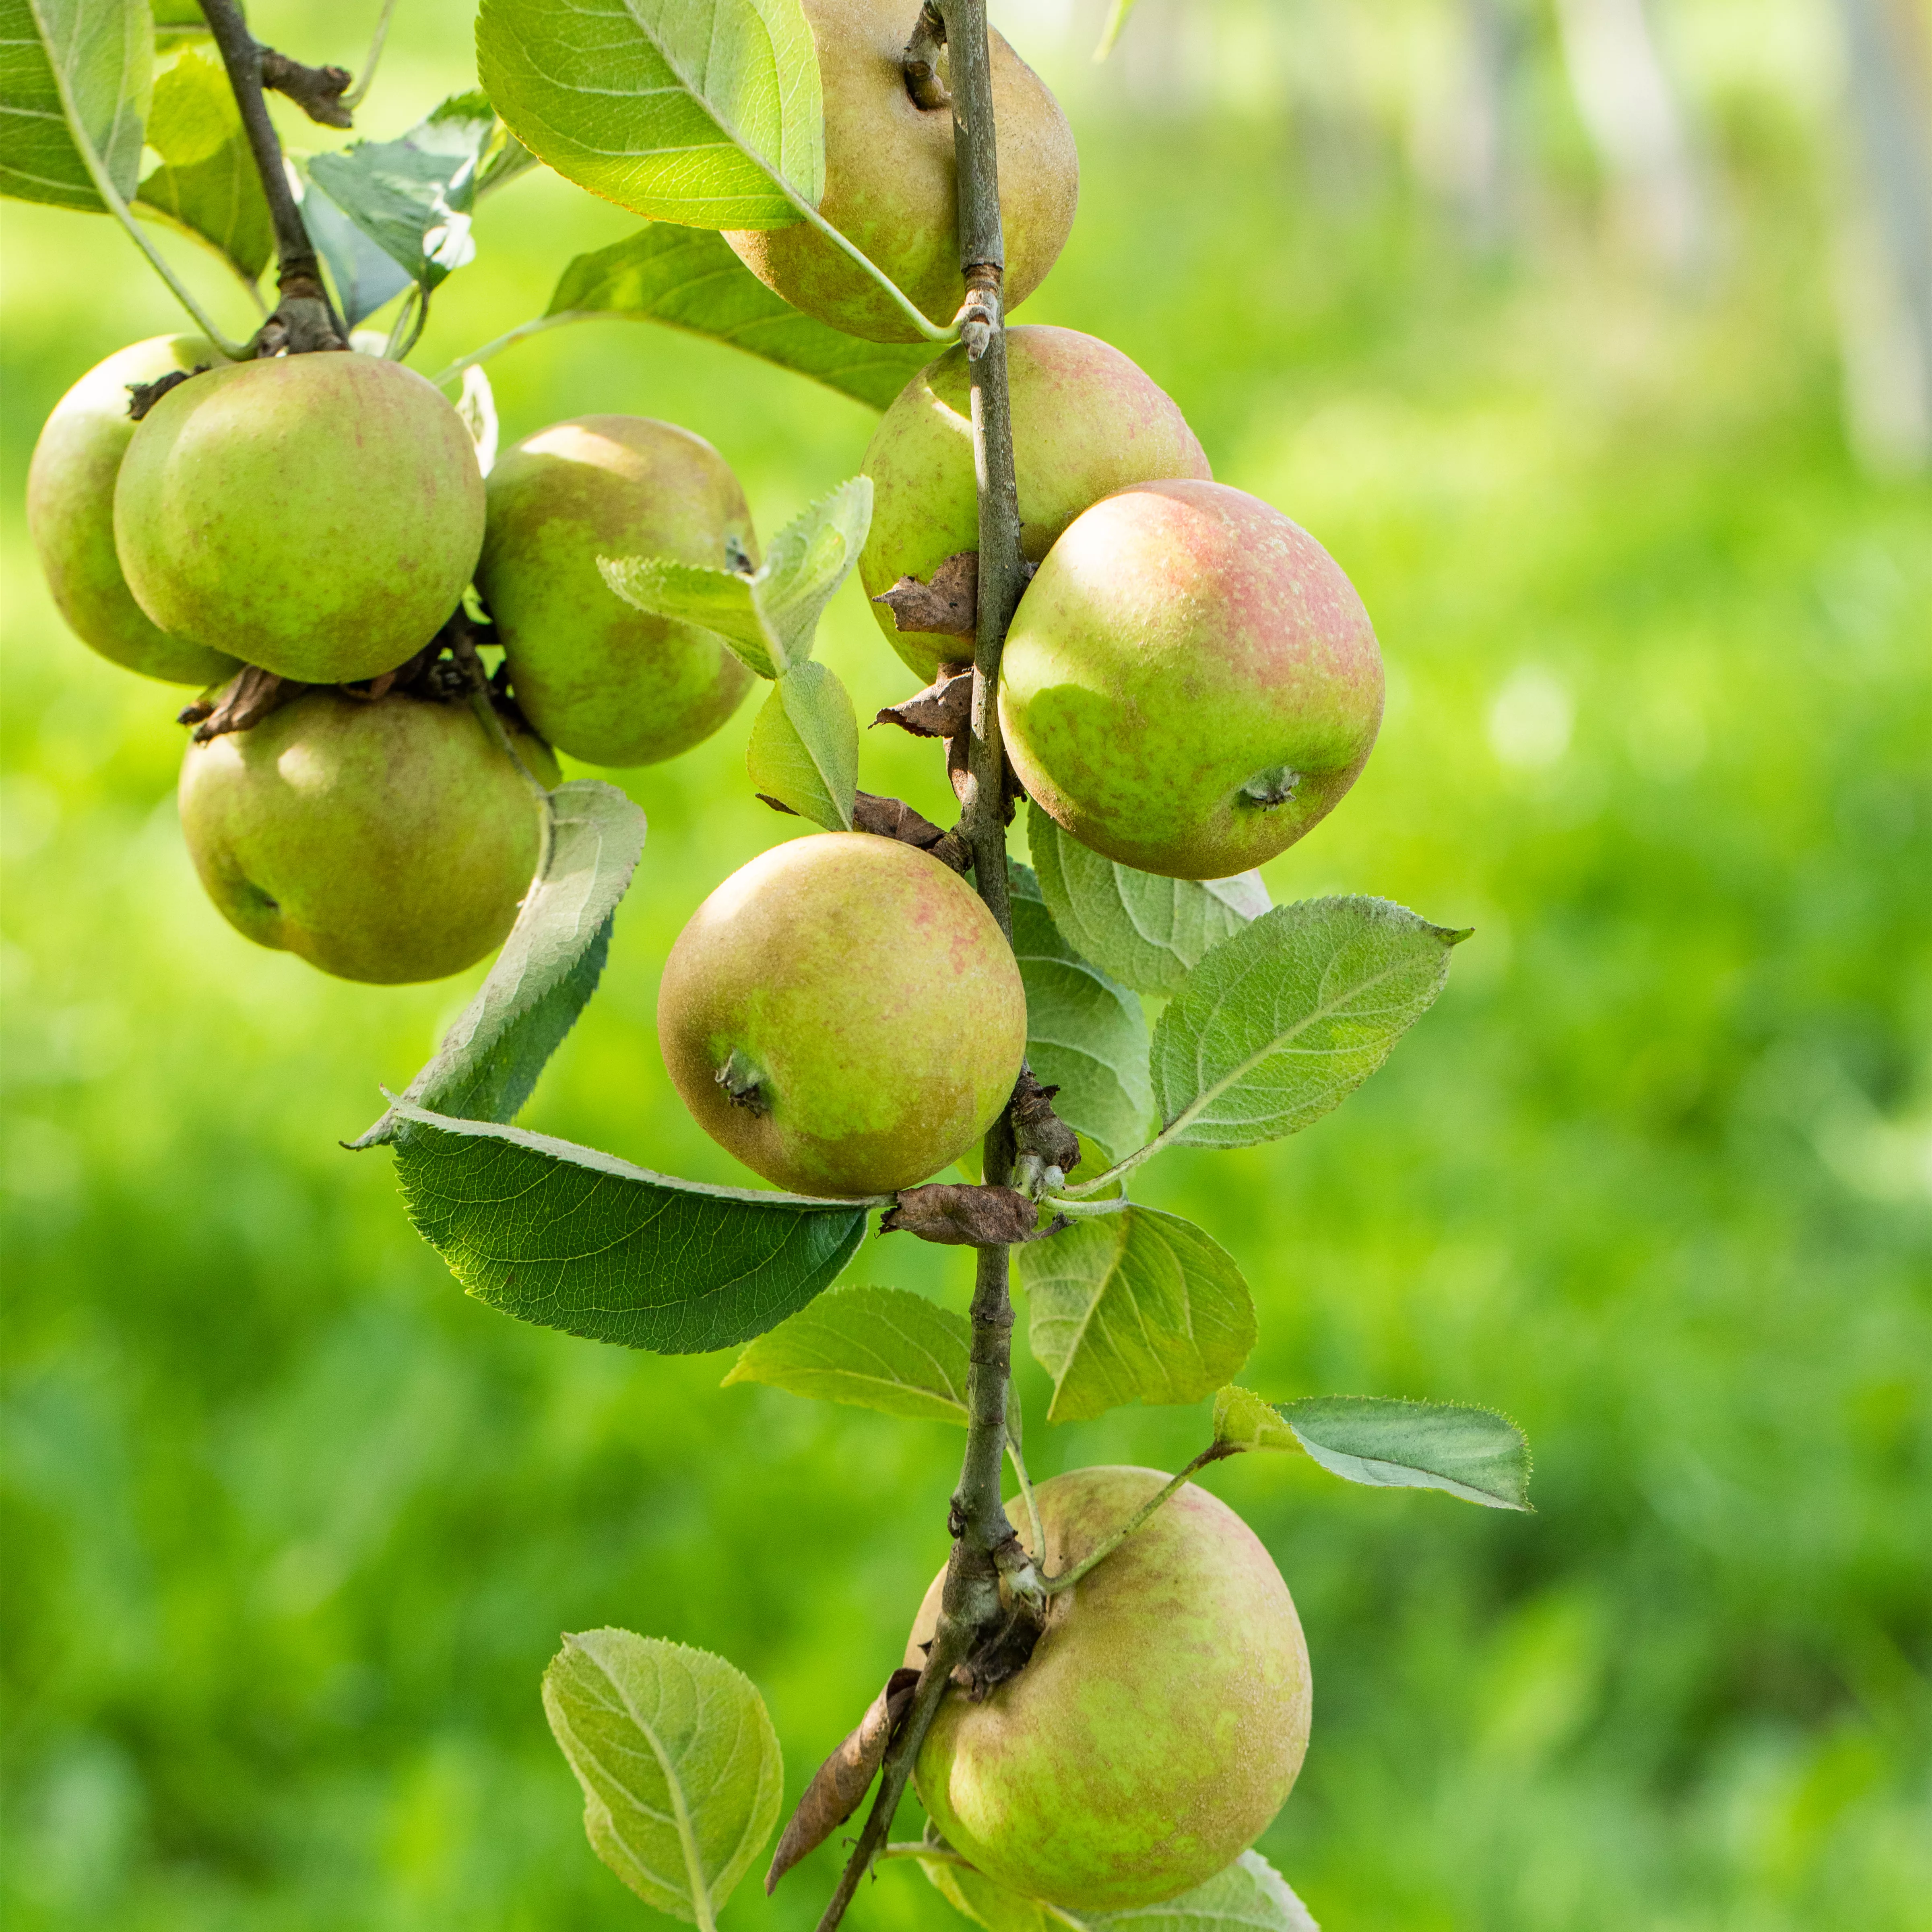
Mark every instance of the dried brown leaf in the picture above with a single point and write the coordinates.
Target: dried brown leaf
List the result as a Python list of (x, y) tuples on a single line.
[(962, 1216), (1037, 1128), (244, 700), (893, 818), (844, 1777), (947, 606), (943, 709)]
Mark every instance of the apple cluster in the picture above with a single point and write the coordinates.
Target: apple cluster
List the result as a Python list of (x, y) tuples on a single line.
[(1188, 684)]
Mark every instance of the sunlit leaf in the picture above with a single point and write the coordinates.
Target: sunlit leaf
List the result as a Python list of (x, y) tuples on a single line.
[(689, 279), (1243, 1420), (769, 616), (1136, 1306), (364, 275), (1145, 931), (690, 111), (1283, 1020), (489, 1060), (804, 747), (680, 1767), (75, 76), (1117, 19), (207, 184), (415, 197), (570, 1238)]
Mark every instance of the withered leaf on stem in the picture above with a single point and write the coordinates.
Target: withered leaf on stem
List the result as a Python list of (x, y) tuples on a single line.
[(943, 709), (244, 700), (947, 606), (893, 818), (963, 1216), (844, 1777), (1037, 1128)]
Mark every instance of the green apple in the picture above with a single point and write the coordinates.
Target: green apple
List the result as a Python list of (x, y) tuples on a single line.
[(890, 188), (1190, 683), (1086, 422), (386, 842), (599, 679), (1158, 1725), (843, 1014), (70, 514), (318, 515)]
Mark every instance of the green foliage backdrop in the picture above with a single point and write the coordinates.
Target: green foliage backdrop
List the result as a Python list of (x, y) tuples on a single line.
[(292, 1526)]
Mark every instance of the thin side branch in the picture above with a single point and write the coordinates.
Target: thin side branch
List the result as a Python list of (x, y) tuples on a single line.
[(922, 60), (304, 318), (318, 92)]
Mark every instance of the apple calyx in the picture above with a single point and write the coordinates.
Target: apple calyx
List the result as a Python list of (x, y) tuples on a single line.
[(1267, 790), (744, 1085)]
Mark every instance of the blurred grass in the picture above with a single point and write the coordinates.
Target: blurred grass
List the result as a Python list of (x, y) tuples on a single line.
[(292, 1526)]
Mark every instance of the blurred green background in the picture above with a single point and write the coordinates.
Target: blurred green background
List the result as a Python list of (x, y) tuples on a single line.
[(1596, 408)]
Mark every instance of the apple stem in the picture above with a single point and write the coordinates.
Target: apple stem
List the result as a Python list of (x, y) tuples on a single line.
[(304, 319), (1066, 1580), (984, 1543)]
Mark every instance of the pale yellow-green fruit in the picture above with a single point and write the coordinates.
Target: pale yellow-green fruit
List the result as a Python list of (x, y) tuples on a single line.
[(318, 515), (600, 679), (843, 1014), (385, 842), (70, 514), (890, 187), (1158, 1725), (1086, 422)]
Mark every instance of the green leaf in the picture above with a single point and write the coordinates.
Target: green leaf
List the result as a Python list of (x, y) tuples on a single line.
[(207, 185), (885, 1349), (680, 1767), (567, 1237), (75, 76), (720, 601), (1145, 931), (688, 279), (769, 616), (1117, 19), (1250, 1896), (1133, 1307), (1085, 1035), (364, 275), (1282, 1022), (1243, 1420), (415, 197), (804, 747), (489, 1060), (975, 1896), (1471, 1453), (178, 20), (808, 560), (691, 111)]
